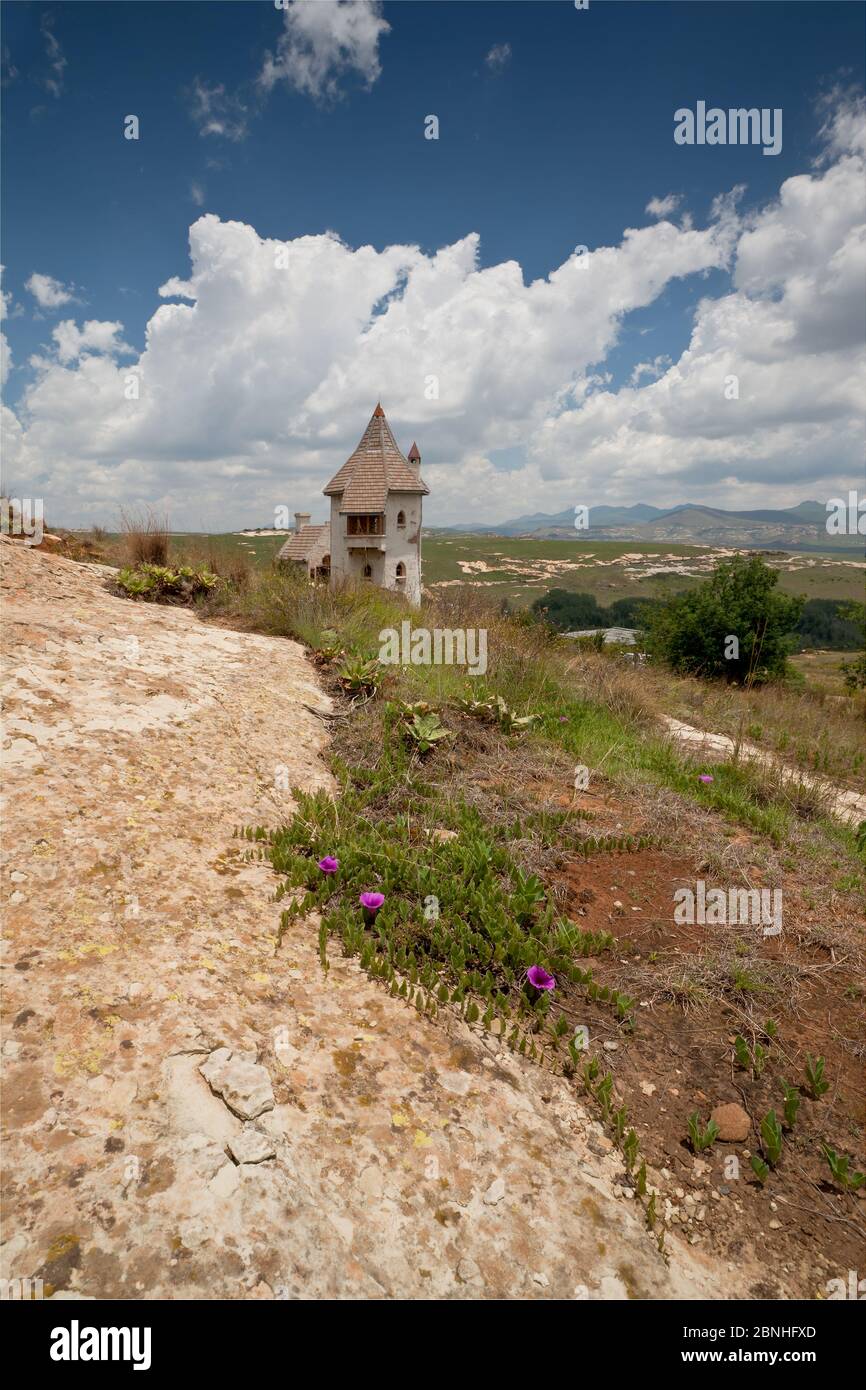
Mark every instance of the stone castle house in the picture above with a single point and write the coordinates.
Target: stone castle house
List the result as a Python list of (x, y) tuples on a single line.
[(375, 529)]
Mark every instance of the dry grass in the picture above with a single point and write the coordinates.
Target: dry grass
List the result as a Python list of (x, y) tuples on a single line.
[(808, 728), (145, 537), (621, 686)]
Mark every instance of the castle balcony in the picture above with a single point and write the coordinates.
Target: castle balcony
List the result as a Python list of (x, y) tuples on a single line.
[(365, 542)]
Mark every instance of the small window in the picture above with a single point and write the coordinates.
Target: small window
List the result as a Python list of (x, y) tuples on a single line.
[(400, 571), (368, 571), (401, 518)]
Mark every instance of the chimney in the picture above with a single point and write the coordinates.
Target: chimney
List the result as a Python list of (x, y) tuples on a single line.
[(414, 457), (301, 519)]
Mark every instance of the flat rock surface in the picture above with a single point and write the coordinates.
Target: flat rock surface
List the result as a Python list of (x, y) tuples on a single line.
[(406, 1158)]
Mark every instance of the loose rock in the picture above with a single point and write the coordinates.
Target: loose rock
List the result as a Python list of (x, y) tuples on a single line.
[(251, 1146), (733, 1122), (243, 1084)]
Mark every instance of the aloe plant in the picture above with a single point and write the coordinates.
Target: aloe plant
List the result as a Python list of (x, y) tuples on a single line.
[(742, 1053), (839, 1167), (815, 1076), (750, 1059), (629, 1149), (702, 1138), (358, 675), (760, 1169), (791, 1103), (759, 1059), (426, 730), (330, 646), (771, 1138), (603, 1093), (508, 719)]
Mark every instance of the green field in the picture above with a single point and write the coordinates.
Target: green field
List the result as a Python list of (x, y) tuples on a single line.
[(822, 670), (260, 549), (522, 569)]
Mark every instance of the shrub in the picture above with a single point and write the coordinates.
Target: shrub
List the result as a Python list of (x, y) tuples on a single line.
[(739, 599), (566, 610), (855, 671)]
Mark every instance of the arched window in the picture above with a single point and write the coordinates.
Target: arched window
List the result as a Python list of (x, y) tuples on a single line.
[(368, 571), (400, 571), (401, 518)]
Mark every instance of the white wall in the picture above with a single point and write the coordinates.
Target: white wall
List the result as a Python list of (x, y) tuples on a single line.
[(402, 543)]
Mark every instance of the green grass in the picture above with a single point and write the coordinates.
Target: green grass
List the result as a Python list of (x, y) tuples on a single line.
[(588, 567), (584, 566), (461, 921), (596, 709), (822, 670)]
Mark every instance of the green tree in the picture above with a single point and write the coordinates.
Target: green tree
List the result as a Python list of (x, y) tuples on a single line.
[(566, 610), (692, 632), (855, 671)]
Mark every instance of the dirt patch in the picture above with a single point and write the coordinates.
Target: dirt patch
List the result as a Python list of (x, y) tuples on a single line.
[(697, 988)]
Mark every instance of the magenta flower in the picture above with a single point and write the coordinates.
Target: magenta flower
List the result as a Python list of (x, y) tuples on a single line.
[(563, 719), (371, 901), (539, 978), (706, 777), (329, 865)]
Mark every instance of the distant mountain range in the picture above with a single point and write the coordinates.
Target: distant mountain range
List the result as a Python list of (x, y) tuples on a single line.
[(801, 528)]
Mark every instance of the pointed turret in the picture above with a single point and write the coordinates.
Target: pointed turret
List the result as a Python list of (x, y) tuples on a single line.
[(376, 468)]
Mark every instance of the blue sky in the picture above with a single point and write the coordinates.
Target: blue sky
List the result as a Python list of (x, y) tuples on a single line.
[(555, 130)]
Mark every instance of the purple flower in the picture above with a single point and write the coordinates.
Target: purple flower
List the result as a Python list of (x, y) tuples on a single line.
[(329, 865), (371, 901), (706, 777), (563, 719), (539, 978)]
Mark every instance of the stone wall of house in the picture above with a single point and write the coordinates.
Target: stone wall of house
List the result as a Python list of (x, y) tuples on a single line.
[(402, 544)]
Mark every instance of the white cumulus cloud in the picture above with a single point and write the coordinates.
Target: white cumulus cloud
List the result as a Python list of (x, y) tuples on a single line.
[(254, 390), (96, 336), (498, 57), (216, 111), (54, 80), (663, 207), (768, 397), (322, 42), (48, 292)]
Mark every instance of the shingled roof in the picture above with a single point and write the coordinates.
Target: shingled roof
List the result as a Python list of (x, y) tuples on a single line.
[(300, 544), (375, 468)]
